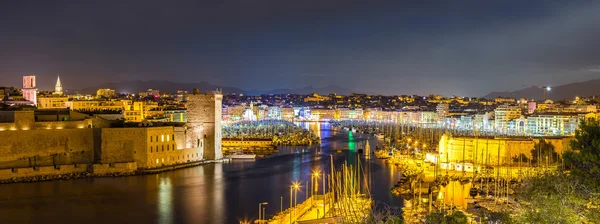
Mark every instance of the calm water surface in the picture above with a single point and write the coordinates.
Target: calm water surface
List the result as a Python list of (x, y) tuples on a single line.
[(214, 193)]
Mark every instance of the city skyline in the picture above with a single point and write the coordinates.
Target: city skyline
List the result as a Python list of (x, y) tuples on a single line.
[(468, 49)]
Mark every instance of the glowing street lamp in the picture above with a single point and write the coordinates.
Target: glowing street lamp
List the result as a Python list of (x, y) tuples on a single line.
[(295, 186), (315, 176)]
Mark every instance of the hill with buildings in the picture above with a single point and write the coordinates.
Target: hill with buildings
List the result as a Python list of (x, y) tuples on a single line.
[(567, 91), (163, 86), (310, 89), (170, 87)]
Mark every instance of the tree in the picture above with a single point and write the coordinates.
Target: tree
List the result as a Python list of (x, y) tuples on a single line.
[(520, 158), (555, 198), (584, 158), (457, 217), (543, 153)]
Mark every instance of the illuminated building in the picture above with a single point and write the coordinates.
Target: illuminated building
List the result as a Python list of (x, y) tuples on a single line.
[(150, 92), (322, 114), (274, 113), (348, 114), (552, 124), (181, 95), (246, 144), (58, 89), (288, 114), (315, 98), (57, 102), (29, 89), (93, 105), (442, 109), (491, 150), (502, 100), (108, 93), (503, 114), (531, 107), (138, 111)]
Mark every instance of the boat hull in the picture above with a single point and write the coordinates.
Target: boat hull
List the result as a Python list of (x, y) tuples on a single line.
[(244, 156)]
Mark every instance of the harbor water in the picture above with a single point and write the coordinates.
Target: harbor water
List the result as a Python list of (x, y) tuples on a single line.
[(213, 193)]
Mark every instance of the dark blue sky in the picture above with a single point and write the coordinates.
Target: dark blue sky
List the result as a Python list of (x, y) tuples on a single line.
[(392, 47)]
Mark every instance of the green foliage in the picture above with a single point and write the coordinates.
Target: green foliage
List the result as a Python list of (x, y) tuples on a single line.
[(544, 153), (499, 217), (457, 217), (435, 218), (584, 161), (554, 198), (520, 158)]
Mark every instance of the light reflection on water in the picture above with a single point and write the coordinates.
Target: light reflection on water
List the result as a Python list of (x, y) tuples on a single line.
[(213, 193)]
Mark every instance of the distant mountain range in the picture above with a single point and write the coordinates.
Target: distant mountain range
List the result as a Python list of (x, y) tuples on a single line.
[(171, 87), (568, 91)]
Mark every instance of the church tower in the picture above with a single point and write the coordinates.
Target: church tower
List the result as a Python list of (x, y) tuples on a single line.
[(58, 90)]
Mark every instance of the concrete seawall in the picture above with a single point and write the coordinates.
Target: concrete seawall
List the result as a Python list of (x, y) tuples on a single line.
[(74, 171)]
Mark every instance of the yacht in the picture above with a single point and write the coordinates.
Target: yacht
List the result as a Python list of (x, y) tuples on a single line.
[(241, 155)]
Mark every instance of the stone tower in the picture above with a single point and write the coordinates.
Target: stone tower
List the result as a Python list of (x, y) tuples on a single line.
[(29, 89), (204, 123)]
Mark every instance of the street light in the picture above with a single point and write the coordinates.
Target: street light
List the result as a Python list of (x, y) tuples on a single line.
[(294, 186), (260, 210), (315, 175)]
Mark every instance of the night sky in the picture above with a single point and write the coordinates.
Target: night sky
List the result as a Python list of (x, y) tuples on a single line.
[(399, 47)]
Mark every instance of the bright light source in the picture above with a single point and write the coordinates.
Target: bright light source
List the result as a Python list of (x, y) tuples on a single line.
[(548, 88)]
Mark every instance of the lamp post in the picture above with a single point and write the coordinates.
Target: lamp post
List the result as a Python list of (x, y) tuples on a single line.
[(315, 177), (296, 187), (260, 210)]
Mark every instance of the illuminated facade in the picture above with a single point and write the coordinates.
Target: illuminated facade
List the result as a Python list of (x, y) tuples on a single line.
[(106, 93), (492, 151), (503, 114), (442, 109), (29, 89), (58, 102)]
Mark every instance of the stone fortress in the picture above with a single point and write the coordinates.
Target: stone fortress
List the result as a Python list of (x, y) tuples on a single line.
[(59, 142)]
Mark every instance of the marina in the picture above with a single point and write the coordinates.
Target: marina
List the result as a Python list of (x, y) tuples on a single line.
[(212, 193)]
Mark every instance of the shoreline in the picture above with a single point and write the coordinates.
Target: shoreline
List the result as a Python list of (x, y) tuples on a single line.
[(87, 174)]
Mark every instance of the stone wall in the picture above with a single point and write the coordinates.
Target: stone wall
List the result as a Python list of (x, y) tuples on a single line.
[(7, 174), (121, 145), (29, 148), (492, 150), (113, 168)]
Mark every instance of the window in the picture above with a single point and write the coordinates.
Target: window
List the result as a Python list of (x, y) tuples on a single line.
[(168, 136), (156, 161), (157, 138), (163, 148), (167, 147), (150, 138), (173, 137), (162, 138)]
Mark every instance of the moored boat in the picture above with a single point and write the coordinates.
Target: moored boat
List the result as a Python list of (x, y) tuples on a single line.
[(240, 155)]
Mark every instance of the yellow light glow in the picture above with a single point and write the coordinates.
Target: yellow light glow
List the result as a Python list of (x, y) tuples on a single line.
[(296, 185)]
